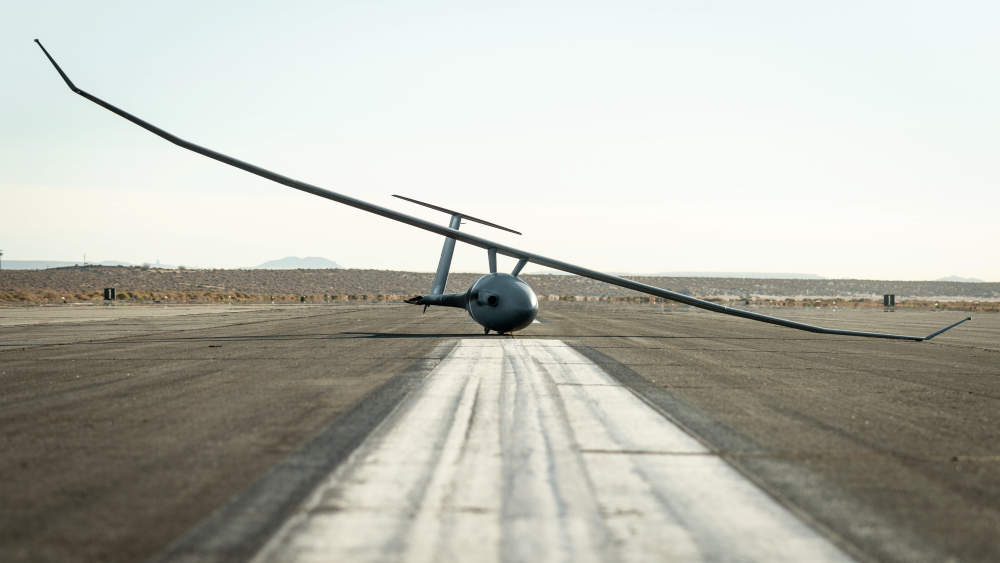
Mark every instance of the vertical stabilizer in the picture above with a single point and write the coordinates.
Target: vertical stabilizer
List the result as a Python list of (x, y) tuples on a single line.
[(444, 264)]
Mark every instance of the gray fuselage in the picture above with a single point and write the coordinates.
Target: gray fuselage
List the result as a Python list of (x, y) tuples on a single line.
[(501, 302)]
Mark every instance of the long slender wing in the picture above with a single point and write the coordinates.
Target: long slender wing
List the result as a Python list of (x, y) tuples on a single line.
[(474, 240)]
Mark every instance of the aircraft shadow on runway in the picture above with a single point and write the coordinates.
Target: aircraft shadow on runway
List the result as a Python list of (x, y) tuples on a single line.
[(361, 334)]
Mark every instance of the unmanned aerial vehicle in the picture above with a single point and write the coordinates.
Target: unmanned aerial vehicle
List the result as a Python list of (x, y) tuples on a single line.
[(499, 302)]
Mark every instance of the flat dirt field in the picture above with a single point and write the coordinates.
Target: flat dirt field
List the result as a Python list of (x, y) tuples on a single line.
[(121, 428), (88, 282)]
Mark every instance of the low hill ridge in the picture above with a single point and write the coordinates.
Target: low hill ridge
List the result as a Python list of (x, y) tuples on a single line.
[(296, 263)]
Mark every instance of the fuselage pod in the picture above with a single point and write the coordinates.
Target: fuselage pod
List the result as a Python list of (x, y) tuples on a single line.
[(501, 302)]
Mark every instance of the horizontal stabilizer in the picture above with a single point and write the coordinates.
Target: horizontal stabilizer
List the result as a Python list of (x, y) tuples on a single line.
[(464, 216)]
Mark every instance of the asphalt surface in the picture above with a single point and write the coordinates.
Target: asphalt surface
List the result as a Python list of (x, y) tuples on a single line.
[(119, 435)]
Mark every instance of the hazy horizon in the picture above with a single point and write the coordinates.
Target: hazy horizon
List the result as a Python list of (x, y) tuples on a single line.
[(275, 264), (854, 140)]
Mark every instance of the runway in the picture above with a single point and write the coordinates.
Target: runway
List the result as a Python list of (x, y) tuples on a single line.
[(602, 434), (526, 451)]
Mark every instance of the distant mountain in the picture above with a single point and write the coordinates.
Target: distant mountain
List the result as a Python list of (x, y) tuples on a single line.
[(958, 279), (295, 263), (43, 264)]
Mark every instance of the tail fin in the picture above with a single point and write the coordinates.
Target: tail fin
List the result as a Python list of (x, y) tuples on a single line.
[(444, 263)]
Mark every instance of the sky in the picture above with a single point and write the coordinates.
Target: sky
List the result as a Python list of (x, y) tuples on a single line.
[(848, 139)]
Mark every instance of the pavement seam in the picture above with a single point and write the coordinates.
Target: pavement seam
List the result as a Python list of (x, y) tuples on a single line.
[(849, 523), (239, 528)]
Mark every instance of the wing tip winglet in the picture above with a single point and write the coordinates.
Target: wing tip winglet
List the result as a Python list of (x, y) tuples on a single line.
[(949, 327), (55, 64)]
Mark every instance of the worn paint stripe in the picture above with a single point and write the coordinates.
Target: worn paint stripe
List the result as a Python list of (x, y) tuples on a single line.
[(524, 450)]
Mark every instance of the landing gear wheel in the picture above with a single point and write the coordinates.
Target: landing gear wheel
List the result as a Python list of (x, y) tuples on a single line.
[(487, 330)]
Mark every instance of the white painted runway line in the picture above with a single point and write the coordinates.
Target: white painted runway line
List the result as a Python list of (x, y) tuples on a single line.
[(523, 450)]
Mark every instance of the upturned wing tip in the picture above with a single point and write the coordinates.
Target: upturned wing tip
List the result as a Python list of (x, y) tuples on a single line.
[(949, 327), (58, 69)]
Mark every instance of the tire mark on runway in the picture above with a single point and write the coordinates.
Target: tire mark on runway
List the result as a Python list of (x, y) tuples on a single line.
[(510, 447)]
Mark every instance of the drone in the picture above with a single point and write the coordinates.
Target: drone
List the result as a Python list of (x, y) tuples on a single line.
[(499, 302)]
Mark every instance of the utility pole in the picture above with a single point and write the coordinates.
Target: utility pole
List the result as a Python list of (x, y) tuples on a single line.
[(1, 259)]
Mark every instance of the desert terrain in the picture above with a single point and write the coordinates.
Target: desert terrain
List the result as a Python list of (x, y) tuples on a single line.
[(87, 283)]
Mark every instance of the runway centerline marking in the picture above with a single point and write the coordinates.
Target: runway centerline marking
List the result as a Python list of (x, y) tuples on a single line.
[(502, 455)]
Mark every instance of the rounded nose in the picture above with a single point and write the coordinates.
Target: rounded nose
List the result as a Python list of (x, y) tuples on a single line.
[(501, 302)]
